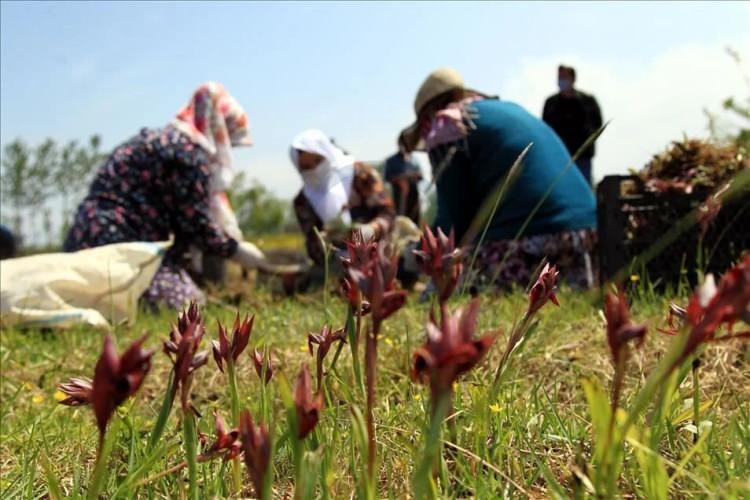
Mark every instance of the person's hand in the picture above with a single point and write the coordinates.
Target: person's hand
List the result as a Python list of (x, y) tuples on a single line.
[(251, 257), (337, 229), (339, 223), (367, 230)]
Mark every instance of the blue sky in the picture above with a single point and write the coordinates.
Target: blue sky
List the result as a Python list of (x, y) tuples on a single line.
[(69, 70)]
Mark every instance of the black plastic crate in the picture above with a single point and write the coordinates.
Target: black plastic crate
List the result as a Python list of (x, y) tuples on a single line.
[(631, 219)]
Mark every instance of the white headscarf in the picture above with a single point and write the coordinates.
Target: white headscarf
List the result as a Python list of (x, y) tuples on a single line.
[(328, 186)]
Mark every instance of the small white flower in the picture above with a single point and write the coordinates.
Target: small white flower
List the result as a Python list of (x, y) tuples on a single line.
[(707, 290)]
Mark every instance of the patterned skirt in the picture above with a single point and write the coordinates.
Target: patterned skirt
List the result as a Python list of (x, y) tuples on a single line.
[(508, 263), (172, 287)]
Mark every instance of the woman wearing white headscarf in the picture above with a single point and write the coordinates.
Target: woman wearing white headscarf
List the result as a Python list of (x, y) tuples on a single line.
[(338, 194)]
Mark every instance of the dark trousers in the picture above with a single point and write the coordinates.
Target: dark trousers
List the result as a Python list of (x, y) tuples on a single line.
[(584, 165)]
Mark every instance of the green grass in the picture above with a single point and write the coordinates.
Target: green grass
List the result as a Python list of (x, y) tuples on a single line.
[(533, 441)]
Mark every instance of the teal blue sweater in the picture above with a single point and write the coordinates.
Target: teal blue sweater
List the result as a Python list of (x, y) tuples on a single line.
[(503, 130)]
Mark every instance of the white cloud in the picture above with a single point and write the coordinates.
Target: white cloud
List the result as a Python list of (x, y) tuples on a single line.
[(650, 102)]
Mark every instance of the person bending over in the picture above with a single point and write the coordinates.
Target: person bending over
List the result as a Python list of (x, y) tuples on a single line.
[(548, 210), (168, 183), (338, 195)]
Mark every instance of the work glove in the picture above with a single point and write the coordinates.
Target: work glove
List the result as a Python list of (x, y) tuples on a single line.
[(251, 257), (339, 227), (367, 230)]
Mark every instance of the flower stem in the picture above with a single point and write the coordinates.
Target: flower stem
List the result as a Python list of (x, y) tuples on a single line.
[(332, 366), (106, 443), (371, 358), (191, 451), (319, 371), (298, 453), (353, 325), (424, 484), (355, 347), (263, 396), (358, 326), (696, 397), (324, 246), (267, 492), (515, 337), (617, 381), (235, 399)]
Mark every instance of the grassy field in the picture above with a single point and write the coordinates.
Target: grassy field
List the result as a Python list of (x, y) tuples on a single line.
[(533, 440)]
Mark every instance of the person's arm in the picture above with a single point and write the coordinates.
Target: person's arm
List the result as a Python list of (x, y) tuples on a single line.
[(455, 209), (192, 222), (308, 222), (403, 193), (372, 194), (547, 111), (596, 114)]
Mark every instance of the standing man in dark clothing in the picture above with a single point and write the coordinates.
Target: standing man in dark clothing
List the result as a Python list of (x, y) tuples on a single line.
[(574, 115)]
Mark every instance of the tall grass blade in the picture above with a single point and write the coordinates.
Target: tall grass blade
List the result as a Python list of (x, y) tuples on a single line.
[(190, 436), (164, 411), (99, 475), (326, 252), (53, 485)]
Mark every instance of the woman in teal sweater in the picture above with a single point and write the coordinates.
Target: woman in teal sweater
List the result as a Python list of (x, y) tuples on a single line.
[(473, 140)]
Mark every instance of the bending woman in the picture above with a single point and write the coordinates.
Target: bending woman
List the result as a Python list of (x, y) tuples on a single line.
[(339, 194), (169, 183), (548, 211)]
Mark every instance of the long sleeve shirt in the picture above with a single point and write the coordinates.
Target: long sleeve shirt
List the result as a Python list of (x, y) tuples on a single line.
[(152, 187), (574, 119), (369, 203), (501, 130)]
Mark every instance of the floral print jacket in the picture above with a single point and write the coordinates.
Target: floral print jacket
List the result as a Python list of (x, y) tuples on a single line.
[(152, 187), (369, 202)]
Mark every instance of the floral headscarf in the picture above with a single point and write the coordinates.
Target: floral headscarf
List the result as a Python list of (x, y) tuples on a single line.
[(450, 124), (215, 121)]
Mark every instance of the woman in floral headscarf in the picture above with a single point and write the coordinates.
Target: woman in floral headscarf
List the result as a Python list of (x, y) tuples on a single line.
[(169, 183)]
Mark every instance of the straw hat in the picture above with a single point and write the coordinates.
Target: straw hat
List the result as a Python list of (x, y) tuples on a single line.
[(437, 83)]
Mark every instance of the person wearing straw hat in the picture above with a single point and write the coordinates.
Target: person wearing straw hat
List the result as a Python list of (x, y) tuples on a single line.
[(545, 209)]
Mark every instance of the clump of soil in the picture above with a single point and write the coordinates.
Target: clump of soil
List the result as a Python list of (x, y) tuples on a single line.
[(694, 163)]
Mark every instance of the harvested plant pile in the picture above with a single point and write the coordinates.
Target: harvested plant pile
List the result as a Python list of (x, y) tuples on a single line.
[(694, 163)]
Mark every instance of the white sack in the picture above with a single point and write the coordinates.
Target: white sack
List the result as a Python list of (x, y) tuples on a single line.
[(90, 286)]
